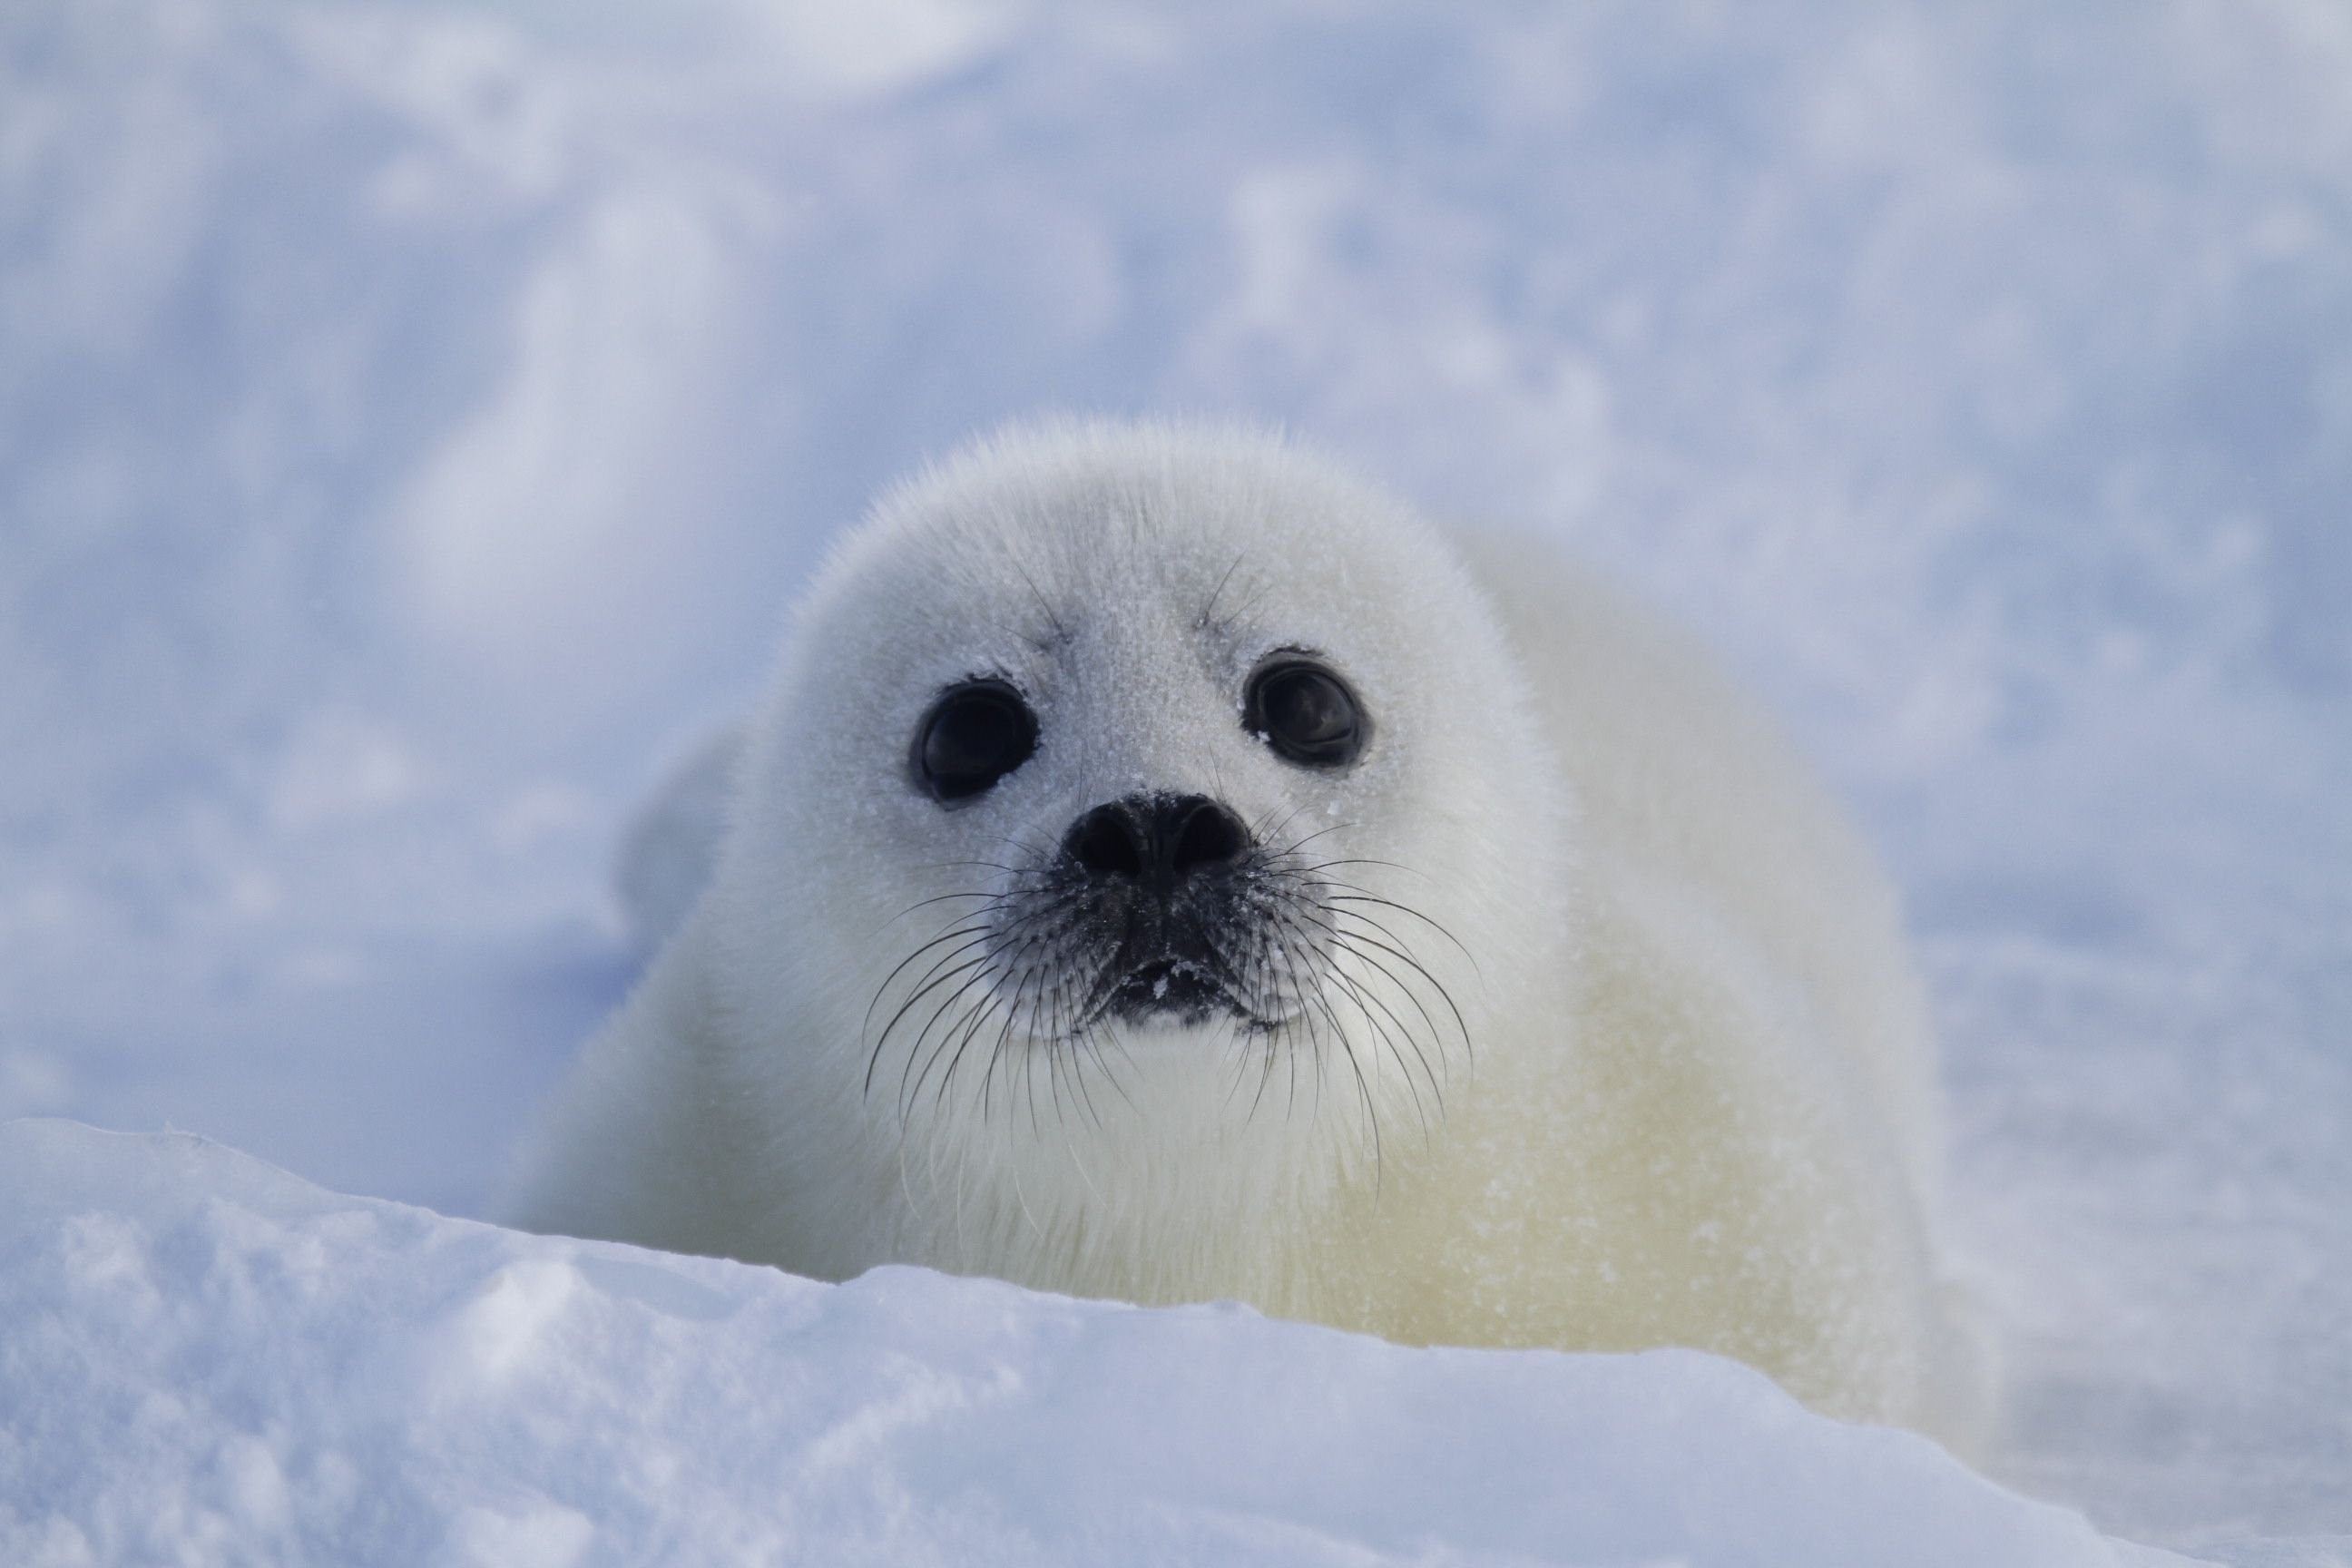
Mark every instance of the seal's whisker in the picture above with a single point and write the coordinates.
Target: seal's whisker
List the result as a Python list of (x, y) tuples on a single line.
[(994, 900), (1366, 958), (964, 988), (996, 1051), (882, 1039), (1290, 849), (977, 939), (1041, 854), (1363, 995), (1313, 960), (1354, 895), (947, 936), (1359, 860), (1363, 1087), (984, 866), (1208, 610), (1266, 829), (975, 1018), (1028, 1065), (1084, 1048), (1438, 986), (1365, 1000), (1053, 1079), (1268, 953)]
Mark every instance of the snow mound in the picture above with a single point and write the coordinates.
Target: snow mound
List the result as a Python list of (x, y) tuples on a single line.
[(210, 1359)]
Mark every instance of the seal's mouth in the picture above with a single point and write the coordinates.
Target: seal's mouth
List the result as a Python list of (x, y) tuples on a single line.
[(1172, 988)]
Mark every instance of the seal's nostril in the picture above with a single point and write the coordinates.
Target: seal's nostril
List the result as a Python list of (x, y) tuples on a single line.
[(1206, 835), (1159, 836), (1108, 842)]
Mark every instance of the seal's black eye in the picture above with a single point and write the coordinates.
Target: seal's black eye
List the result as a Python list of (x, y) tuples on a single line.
[(974, 736), (1306, 712)]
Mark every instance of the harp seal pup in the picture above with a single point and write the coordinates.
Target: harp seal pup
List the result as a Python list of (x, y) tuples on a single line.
[(1166, 868)]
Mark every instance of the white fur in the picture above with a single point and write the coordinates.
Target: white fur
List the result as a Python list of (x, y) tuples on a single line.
[(1696, 1103)]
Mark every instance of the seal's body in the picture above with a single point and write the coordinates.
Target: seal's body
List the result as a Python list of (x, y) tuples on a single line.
[(1166, 868)]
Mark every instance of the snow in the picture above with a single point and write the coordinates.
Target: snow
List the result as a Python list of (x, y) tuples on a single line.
[(210, 1359), (415, 418)]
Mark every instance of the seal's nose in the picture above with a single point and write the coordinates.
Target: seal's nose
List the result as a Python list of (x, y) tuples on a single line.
[(1156, 835)]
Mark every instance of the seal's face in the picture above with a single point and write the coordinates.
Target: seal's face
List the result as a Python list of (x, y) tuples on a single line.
[(1162, 912), (1140, 784), (1156, 905)]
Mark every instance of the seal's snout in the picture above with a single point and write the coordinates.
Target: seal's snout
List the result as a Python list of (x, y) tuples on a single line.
[(1158, 902), (1159, 839)]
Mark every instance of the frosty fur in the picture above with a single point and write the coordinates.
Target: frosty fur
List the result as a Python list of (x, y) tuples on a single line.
[(1688, 1100)]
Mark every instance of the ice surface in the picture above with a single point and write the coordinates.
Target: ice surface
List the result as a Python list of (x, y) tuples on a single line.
[(210, 1359), (414, 419)]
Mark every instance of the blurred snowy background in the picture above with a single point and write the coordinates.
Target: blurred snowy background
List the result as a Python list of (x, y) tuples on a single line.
[(415, 420)]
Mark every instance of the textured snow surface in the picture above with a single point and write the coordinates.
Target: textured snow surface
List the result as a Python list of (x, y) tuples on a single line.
[(414, 417), (209, 1360)]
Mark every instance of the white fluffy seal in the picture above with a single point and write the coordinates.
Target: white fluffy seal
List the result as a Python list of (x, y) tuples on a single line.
[(1167, 869)]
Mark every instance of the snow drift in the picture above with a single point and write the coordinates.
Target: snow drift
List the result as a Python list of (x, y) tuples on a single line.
[(209, 1360)]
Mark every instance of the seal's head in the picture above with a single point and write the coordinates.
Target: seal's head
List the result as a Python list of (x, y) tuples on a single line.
[(1144, 817)]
